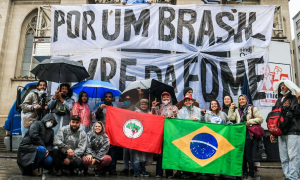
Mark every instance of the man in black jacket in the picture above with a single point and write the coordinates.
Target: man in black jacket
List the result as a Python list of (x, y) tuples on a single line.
[(36, 145), (289, 142)]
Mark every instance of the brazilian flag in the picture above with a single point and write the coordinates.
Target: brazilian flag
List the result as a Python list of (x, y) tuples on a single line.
[(203, 147)]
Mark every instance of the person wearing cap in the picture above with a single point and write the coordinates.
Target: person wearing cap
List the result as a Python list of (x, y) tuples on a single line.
[(165, 109), (61, 105), (251, 115), (35, 147), (289, 142), (189, 111), (71, 141), (140, 158), (187, 91), (128, 104), (127, 153)]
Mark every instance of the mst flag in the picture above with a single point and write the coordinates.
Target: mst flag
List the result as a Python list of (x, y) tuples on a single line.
[(134, 130), (203, 147)]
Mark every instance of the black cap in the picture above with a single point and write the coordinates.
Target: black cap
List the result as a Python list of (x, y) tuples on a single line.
[(75, 117)]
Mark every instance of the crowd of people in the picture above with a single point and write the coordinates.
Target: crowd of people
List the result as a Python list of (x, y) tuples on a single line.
[(64, 136)]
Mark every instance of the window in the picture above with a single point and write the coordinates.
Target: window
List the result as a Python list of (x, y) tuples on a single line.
[(298, 24), (29, 62)]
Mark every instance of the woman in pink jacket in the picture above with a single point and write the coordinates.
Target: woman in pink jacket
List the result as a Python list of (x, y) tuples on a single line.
[(82, 109)]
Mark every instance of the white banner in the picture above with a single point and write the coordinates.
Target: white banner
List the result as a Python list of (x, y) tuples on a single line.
[(181, 28), (210, 77)]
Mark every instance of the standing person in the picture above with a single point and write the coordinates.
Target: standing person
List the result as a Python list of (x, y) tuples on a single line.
[(187, 91), (227, 101), (140, 158), (97, 148), (289, 142), (166, 109), (61, 105), (215, 115), (249, 114), (188, 111), (34, 106), (36, 145), (100, 112), (71, 142), (127, 153), (82, 109)]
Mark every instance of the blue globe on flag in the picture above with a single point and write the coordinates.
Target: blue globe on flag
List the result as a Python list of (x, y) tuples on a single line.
[(203, 146)]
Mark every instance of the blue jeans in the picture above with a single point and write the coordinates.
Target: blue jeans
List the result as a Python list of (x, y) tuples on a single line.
[(139, 168), (127, 154), (289, 151), (40, 159), (23, 130)]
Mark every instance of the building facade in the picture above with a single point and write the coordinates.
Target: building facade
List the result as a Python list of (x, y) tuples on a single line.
[(18, 26), (296, 44)]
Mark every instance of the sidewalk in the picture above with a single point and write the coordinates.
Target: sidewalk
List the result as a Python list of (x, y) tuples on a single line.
[(267, 165)]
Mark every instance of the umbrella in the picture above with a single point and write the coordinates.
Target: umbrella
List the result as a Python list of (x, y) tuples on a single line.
[(150, 87), (246, 90), (95, 88), (60, 70)]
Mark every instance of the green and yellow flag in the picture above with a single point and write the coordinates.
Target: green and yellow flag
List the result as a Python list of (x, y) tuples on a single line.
[(203, 147)]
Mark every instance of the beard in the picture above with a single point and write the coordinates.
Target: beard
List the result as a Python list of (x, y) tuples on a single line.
[(74, 130)]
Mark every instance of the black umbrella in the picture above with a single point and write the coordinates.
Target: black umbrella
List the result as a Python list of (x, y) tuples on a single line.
[(60, 70), (151, 88)]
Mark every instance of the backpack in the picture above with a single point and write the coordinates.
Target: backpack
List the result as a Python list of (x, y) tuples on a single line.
[(275, 121), (60, 109), (255, 130)]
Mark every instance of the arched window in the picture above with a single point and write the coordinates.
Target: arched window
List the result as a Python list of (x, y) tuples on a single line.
[(29, 62)]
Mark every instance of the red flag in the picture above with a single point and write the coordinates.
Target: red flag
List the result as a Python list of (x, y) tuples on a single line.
[(134, 130)]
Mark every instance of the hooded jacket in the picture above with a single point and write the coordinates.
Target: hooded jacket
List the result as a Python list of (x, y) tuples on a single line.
[(37, 135), (30, 115), (235, 114), (290, 107), (67, 139), (97, 144)]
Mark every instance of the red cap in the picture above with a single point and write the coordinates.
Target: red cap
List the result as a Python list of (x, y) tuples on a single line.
[(187, 97), (165, 93), (128, 97)]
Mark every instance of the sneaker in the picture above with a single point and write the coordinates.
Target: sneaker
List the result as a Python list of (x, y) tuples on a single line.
[(170, 177), (112, 172), (158, 176), (131, 171), (58, 173), (146, 174), (125, 172), (36, 173)]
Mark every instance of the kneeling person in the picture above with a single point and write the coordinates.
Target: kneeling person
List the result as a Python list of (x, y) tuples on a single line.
[(71, 142), (36, 145), (97, 148)]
